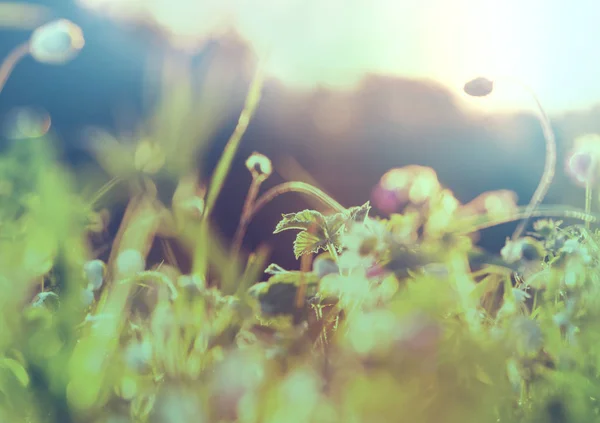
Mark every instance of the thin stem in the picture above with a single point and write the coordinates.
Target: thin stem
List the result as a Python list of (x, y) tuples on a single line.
[(546, 212), (11, 61), (549, 166), (295, 186), (222, 169), (104, 189), (333, 253), (244, 220), (588, 202)]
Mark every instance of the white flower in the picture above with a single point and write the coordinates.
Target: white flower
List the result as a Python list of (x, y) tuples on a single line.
[(94, 271), (56, 42), (364, 242)]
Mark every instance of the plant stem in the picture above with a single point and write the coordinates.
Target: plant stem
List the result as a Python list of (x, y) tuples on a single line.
[(11, 61), (218, 179), (254, 207), (588, 202), (549, 166), (333, 253), (244, 220), (104, 189), (300, 187)]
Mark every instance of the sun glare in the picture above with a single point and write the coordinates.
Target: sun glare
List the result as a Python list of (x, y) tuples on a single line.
[(335, 43)]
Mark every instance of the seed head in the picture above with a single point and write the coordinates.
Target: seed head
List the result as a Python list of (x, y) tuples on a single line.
[(259, 166), (56, 42)]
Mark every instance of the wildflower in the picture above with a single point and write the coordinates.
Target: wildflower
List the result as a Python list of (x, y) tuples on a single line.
[(496, 204), (364, 243), (259, 166), (576, 258), (523, 249), (479, 87), (56, 42), (442, 213), (583, 163), (411, 184), (94, 271)]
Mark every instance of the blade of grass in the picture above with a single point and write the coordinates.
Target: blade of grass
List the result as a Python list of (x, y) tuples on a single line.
[(223, 167)]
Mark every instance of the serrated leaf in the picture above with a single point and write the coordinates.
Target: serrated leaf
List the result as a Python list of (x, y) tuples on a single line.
[(17, 369), (275, 269), (306, 243), (359, 213), (304, 221), (335, 224)]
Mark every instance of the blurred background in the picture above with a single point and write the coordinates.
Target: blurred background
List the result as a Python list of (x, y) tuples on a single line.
[(354, 88)]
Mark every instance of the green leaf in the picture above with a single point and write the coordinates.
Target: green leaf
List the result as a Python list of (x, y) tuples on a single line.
[(359, 213), (304, 221), (306, 243), (17, 369)]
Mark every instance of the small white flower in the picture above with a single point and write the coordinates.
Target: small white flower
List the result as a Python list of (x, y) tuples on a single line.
[(94, 271), (56, 42)]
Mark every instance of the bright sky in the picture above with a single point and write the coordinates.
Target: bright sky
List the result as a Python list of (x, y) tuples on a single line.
[(551, 45)]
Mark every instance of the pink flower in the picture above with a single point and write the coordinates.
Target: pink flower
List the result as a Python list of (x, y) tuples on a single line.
[(399, 187), (583, 161)]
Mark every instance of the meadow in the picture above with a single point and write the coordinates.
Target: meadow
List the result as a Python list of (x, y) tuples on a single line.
[(393, 312)]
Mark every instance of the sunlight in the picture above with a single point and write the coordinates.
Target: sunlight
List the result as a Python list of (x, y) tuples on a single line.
[(335, 43)]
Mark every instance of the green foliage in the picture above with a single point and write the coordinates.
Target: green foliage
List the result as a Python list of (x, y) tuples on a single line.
[(402, 316), (318, 232)]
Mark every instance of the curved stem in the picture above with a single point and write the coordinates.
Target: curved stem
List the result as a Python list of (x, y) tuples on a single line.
[(588, 201), (244, 220), (276, 191), (300, 187), (549, 166), (479, 224), (11, 61)]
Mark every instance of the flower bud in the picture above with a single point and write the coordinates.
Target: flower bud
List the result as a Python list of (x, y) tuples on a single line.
[(583, 164), (56, 42), (94, 271), (259, 166)]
